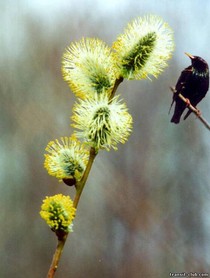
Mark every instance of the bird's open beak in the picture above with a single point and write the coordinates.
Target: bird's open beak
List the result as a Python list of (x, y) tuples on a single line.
[(189, 55)]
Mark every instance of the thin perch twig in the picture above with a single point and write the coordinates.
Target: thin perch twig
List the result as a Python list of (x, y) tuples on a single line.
[(192, 108)]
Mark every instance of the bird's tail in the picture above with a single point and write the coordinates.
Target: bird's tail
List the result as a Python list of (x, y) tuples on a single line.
[(176, 118), (174, 98), (171, 106), (179, 109), (187, 114)]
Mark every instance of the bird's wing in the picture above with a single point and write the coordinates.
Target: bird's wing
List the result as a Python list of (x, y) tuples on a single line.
[(185, 75), (201, 92)]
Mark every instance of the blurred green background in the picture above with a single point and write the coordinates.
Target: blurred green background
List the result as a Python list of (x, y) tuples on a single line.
[(145, 209)]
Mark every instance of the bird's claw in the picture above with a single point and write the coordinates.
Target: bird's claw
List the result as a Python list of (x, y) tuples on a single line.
[(198, 112), (187, 102)]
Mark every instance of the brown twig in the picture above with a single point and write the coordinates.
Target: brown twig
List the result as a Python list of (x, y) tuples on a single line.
[(57, 255), (80, 184), (117, 83), (192, 108)]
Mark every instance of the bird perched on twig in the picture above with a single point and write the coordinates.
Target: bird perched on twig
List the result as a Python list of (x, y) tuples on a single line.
[(193, 84)]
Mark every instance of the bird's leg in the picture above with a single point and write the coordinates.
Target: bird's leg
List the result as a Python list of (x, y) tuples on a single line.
[(187, 102)]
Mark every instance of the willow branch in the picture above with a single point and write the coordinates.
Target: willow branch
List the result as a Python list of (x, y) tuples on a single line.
[(62, 237), (192, 108), (80, 184), (116, 84), (57, 255)]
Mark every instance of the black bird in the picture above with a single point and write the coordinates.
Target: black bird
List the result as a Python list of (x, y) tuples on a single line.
[(193, 84)]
